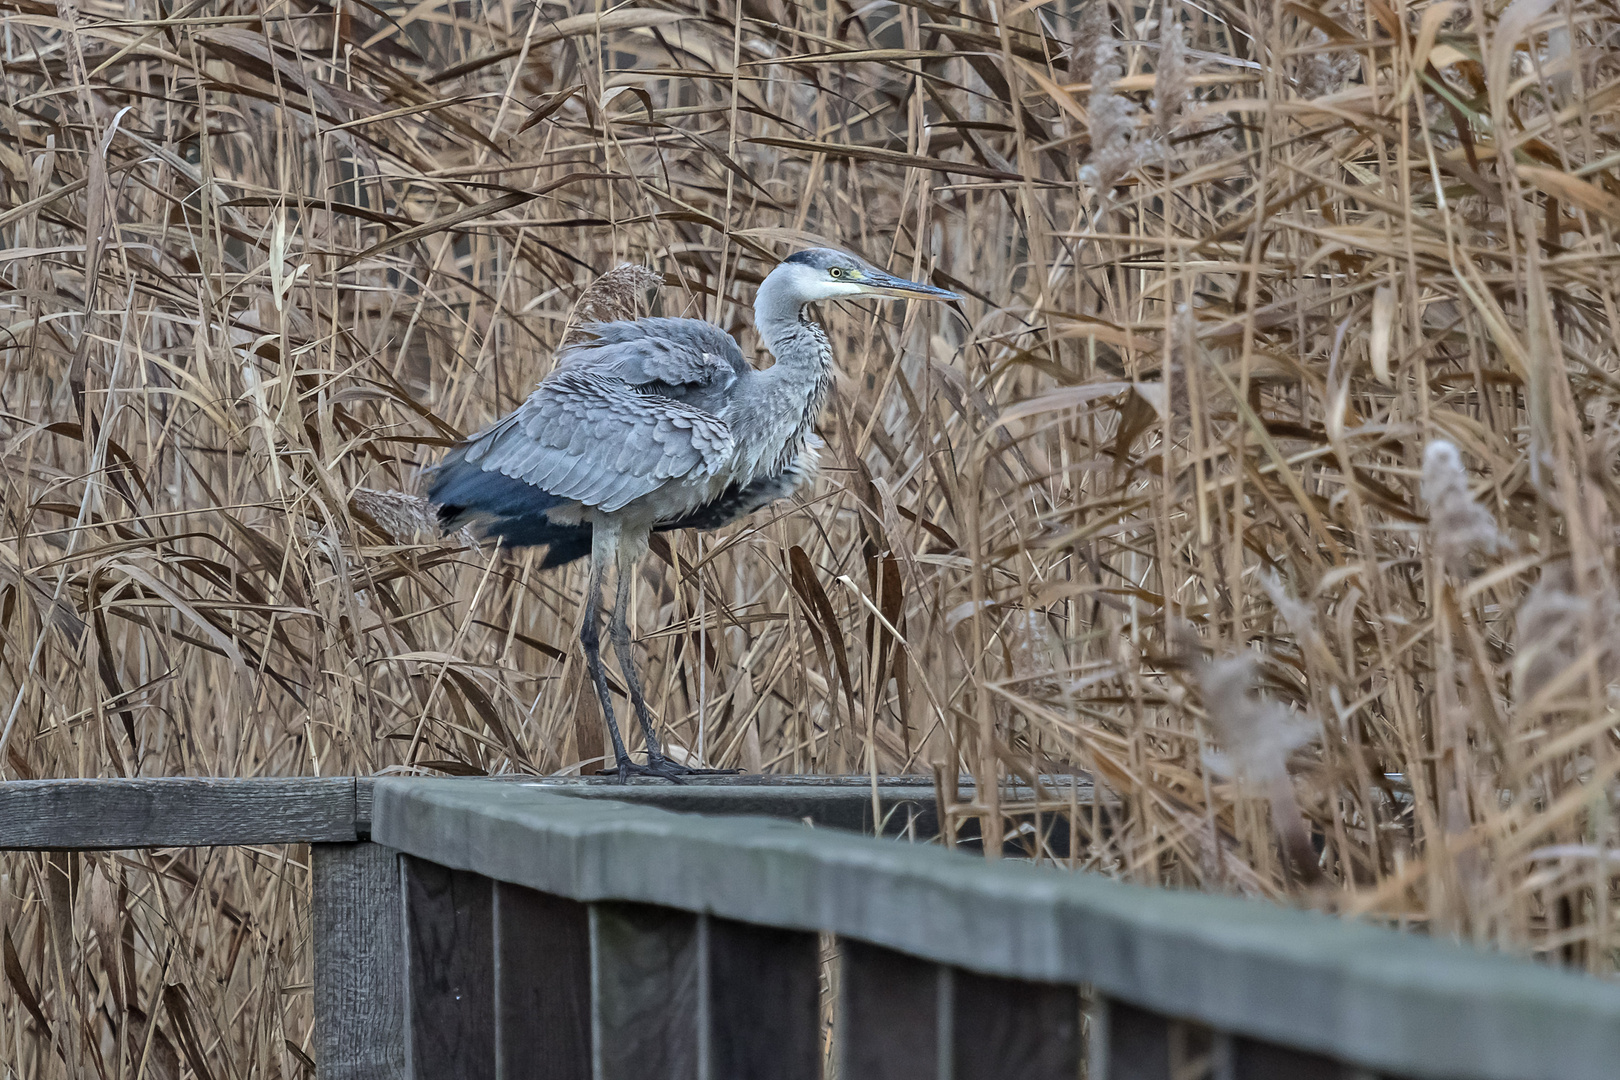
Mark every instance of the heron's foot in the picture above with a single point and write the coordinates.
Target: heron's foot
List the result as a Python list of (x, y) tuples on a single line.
[(662, 768)]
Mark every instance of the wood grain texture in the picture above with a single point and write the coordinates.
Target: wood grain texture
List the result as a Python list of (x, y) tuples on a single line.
[(449, 973), (764, 1003), (542, 986), (645, 992), (359, 944), (364, 789), (92, 815), (1005, 1027), (888, 1023)]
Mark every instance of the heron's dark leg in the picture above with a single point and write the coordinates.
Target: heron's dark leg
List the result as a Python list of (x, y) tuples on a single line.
[(629, 554), (630, 550), (590, 636)]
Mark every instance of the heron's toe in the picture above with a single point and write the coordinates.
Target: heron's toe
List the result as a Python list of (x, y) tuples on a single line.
[(662, 768)]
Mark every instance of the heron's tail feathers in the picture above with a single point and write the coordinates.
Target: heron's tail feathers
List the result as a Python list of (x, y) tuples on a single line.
[(500, 507)]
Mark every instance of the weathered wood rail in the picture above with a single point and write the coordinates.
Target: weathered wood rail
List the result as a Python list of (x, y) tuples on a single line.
[(472, 928)]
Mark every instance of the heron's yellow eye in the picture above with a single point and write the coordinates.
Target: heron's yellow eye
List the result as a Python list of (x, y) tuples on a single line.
[(836, 272)]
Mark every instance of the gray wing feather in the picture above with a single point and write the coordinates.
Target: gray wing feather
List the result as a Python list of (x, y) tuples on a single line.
[(595, 439), (676, 352)]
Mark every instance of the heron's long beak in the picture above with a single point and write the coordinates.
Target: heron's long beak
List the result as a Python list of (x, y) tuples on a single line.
[(878, 283)]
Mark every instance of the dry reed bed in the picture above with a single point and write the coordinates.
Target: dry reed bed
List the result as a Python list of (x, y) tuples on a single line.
[(1147, 504)]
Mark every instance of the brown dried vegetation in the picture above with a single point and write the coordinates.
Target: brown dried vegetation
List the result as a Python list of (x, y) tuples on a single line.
[(262, 263)]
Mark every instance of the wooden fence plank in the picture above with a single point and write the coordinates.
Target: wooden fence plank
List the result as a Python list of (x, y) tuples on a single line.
[(110, 813), (449, 972), (1396, 1004), (907, 803), (888, 1022), (542, 986), (1005, 1027), (93, 815), (764, 1003), (359, 962), (835, 806), (646, 992)]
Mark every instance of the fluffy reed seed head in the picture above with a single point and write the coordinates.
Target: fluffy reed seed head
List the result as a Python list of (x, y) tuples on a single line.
[(621, 293), (1093, 28), (405, 518), (1172, 79), (1461, 529), (1256, 734), (1113, 125), (1296, 614), (1551, 629)]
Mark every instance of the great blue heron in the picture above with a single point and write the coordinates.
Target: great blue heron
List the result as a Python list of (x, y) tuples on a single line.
[(652, 425)]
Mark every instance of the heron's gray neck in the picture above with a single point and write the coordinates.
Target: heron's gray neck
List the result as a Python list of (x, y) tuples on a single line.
[(802, 351), (802, 376), (778, 314)]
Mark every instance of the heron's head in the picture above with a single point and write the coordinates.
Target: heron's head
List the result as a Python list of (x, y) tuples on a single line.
[(824, 274)]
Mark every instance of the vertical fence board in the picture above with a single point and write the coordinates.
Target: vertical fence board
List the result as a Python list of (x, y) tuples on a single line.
[(764, 1003), (359, 962), (542, 986), (449, 979), (1005, 1027), (888, 1023), (1138, 1044), (645, 992), (1253, 1060)]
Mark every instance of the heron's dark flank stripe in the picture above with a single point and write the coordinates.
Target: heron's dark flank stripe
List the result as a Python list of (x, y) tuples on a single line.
[(740, 500), (734, 503), (566, 549), (505, 508)]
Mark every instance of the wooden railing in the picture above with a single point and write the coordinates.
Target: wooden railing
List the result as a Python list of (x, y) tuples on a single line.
[(474, 928)]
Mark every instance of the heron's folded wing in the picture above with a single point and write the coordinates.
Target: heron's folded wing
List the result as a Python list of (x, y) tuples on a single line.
[(675, 352), (599, 441)]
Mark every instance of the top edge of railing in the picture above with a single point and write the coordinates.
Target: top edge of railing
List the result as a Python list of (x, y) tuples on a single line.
[(148, 812), (1397, 1003)]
